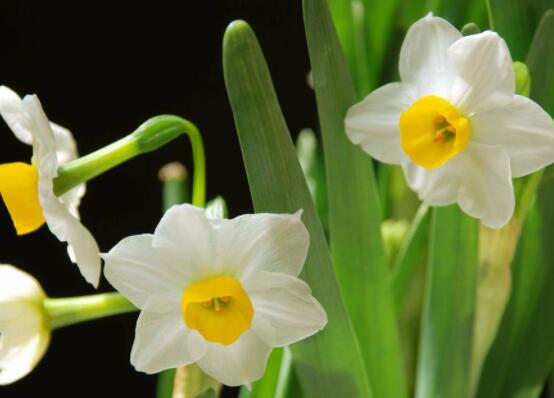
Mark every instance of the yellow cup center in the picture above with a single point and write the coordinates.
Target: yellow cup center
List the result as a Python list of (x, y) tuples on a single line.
[(432, 132), (218, 308), (19, 190)]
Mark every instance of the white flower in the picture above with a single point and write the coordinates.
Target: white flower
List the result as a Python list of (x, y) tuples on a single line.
[(453, 123), (22, 184), (217, 292), (24, 332)]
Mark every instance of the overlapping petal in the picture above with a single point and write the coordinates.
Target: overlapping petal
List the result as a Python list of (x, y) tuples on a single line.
[(373, 123), (138, 271), (239, 363), (254, 242), (486, 76), (285, 310), (64, 225), (523, 129), (424, 61), (161, 341), (478, 179)]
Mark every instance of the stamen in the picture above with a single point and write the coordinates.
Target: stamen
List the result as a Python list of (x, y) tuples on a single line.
[(217, 306)]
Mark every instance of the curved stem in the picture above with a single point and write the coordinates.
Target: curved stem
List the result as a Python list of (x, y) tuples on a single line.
[(149, 136), (70, 311)]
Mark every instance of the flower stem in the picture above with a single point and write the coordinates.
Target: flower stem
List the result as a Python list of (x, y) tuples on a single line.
[(70, 311), (149, 136)]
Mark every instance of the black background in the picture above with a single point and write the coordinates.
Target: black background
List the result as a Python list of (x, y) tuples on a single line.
[(100, 71)]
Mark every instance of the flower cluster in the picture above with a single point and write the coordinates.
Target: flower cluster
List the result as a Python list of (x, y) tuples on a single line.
[(222, 293)]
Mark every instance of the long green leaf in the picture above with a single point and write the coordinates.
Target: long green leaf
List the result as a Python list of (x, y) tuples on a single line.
[(447, 325), (514, 20), (411, 254), (354, 212), (523, 352), (329, 364)]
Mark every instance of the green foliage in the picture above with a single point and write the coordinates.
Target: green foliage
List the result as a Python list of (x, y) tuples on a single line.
[(449, 309), (328, 364), (354, 212)]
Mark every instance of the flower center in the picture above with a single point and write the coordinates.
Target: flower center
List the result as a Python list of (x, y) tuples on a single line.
[(19, 190), (432, 132), (218, 308)]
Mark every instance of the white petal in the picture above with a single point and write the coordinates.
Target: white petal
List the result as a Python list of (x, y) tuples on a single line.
[(523, 129), (374, 123), (65, 226), (484, 65), (239, 363), (284, 309), (437, 187), (186, 240), (66, 147), (478, 179), (11, 109), (162, 340), (486, 191), (423, 57), (137, 270), (16, 284), (23, 339), (252, 242)]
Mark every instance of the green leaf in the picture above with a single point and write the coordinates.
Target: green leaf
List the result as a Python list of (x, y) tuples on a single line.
[(310, 157), (523, 351), (207, 393), (447, 324), (411, 254), (354, 213), (541, 63), (267, 385), (328, 364), (515, 20)]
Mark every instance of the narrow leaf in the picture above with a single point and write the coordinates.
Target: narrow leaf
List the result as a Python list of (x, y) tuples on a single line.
[(354, 212), (523, 351), (447, 325), (329, 363)]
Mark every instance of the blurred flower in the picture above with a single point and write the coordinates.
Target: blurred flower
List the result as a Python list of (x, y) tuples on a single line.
[(454, 123), (24, 331), (27, 189), (217, 292)]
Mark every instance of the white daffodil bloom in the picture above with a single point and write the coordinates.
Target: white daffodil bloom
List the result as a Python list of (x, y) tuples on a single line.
[(24, 332), (454, 123), (217, 292), (27, 189)]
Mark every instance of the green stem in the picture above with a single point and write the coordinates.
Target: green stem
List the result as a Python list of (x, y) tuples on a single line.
[(70, 311), (149, 136), (489, 13)]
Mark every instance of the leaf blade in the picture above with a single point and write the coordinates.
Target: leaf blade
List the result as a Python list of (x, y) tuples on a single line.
[(328, 364), (354, 210)]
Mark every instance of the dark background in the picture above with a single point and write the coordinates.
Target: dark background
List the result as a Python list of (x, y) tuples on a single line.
[(101, 71)]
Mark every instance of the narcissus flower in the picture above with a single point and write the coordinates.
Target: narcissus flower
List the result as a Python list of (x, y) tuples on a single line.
[(27, 189), (24, 331), (217, 292), (454, 123)]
